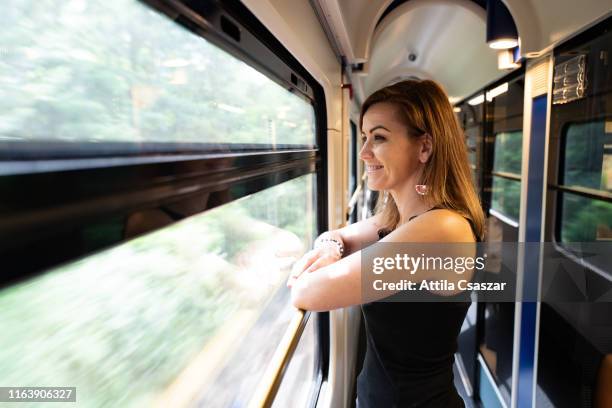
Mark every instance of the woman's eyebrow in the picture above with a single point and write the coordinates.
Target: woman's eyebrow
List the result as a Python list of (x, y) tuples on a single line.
[(379, 127)]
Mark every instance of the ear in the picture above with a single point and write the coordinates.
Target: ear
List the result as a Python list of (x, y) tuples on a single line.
[(426, 147)]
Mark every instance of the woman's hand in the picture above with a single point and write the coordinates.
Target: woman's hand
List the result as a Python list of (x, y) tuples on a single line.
[(313, 260)]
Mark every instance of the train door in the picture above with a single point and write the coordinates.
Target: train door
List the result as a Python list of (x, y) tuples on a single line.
[(493, 122), (502, 157)]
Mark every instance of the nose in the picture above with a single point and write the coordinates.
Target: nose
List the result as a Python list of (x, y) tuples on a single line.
[(366, 152)]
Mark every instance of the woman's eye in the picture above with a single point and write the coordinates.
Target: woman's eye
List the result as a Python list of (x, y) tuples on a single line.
[(379, 138), (363, 139)]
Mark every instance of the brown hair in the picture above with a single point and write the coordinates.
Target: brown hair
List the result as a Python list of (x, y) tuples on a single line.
[(423, 107)]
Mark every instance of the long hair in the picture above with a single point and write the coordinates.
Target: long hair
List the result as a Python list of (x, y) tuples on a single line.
[(423, 107)]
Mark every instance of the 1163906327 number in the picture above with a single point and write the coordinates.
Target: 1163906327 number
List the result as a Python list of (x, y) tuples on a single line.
[(37, 394)]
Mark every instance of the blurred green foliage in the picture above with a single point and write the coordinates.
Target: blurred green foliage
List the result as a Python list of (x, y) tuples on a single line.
[(508, 152), (506, 195), (585, 219), (122, 324)]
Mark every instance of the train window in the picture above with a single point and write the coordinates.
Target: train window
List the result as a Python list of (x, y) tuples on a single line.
[(119, 72), (506, 173), (470, 119), (584, 219), (196, 306), (158, 277), (587, 163), (505, 197), (588, 155), (508, 152), (472, 136)]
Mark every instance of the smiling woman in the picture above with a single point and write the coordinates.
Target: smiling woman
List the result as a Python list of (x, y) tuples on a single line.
[(414, 152), (391, 156)]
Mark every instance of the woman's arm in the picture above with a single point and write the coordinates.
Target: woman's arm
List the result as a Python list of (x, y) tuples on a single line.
[(358, 235), (331, 246), (339, 284)]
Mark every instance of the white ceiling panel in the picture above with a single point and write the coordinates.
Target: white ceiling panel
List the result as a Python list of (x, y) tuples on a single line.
[(448, 40)]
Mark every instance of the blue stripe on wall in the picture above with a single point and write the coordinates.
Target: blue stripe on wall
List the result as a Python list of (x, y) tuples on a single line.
[(535, 191)]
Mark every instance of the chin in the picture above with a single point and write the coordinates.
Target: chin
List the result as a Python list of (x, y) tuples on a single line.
[(375, 186)]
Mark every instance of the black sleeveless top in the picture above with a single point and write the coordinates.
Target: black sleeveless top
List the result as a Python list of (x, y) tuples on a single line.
[(410, 352)]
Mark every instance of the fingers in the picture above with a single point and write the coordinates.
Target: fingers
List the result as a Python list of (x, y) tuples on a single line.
[(302, 264), (310, 262), (319, 263)]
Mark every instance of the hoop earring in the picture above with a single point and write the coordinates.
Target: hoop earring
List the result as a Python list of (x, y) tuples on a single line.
[(421, 189)]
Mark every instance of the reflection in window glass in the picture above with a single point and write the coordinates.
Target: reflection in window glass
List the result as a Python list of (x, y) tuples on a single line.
[(472, 138), (505, 197), (585, 220), (508, 152), (163, 315), (117, 71), (588, 156), (476, 179), (298, 383)]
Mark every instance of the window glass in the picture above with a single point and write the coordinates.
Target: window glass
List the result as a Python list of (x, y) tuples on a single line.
[(199, 306), (117, 71), (472, 139), (506, 196), (585, 220), (588, 155), (508, 152), (352, 160)]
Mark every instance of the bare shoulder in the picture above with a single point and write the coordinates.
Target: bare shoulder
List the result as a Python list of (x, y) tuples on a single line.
[(440, 225)]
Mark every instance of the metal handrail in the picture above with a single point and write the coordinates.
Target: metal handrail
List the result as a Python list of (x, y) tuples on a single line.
[(273, 376)]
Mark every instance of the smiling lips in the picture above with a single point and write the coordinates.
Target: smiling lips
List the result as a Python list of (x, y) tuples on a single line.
[(372, 168)]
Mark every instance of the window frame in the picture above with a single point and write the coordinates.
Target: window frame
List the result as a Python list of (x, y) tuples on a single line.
[(491, 127), (560, 188), (506, 175)]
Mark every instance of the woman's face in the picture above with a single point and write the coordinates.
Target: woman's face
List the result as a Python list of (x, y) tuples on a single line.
[(391, 156)]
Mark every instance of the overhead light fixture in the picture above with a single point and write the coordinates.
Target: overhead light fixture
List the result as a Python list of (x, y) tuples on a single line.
[(501, 31), (503, 44), (499, 90), (477, 100), (506, 60)]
